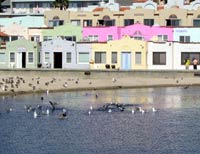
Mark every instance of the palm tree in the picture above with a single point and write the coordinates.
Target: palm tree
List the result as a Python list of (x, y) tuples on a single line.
[(62, 4)]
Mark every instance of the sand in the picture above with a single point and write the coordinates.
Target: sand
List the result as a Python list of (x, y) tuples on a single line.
[(33, 84)]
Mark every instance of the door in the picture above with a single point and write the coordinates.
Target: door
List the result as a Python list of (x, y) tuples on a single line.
[(19, 60), (57, 59), (126, 61), (23, 59)]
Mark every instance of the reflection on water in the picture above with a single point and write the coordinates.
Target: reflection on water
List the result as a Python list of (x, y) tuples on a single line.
[(174, 128)]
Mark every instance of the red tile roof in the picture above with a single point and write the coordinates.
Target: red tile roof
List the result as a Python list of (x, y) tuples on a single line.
[(124, 8), (98, 9), (3, 34)]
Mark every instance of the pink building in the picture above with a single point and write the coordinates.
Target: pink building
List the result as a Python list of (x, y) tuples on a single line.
[(101, 34), (137, 31)]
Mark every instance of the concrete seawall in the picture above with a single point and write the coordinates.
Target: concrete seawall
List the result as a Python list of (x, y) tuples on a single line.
[(42, 80)]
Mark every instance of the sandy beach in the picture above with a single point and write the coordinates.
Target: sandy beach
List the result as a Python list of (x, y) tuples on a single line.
[(31, 82)]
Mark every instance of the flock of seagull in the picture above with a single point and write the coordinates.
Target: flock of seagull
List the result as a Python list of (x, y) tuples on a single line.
[(10, 83)]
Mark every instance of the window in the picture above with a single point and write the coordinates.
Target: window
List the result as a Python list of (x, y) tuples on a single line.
[(159, 58), (110, 37), (114, 57), (30, 57), (83, 57), (47, 57), (162, 37), (106, 21), (173, 21), (100, 57), (93, 38), (138, 58), (87, 23), (128, 22), (47, 38), (196, 22), (190, 55), (2, 57), (149, 22), (55, 22), (69, 57), (13, 38), (70, 38), (138, 35), (184, 38), (12, 57), (35, 38), (76, 22)]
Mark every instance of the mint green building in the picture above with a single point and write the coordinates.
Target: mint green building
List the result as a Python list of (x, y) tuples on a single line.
[(20, 54), (67, 32)]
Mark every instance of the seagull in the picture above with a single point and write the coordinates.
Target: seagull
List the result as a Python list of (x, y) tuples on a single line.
[(154, 110), (114, 79), (109, 111), (132, 111), (91, 108), (35, 114), (89, 112)]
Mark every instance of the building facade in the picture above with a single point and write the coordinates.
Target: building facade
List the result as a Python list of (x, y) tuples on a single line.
[(124, 54), (63, 54)]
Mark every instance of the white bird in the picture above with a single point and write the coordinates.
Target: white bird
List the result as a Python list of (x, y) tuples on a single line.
[(132, 111), (89, 112), (47, 92), (91, 108), (109, 111), (141, 110), (35, 114), (153, 109), (114, 79), (47, 111)]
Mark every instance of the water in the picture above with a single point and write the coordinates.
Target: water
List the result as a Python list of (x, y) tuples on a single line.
[(173, 129)]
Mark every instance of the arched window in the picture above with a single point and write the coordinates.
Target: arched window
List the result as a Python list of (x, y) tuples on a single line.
[(106, 18), (56, 18), (173, 16), (55, 22), (173, 21)]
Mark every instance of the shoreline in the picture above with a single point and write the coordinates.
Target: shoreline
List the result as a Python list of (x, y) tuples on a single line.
[(15, 82)]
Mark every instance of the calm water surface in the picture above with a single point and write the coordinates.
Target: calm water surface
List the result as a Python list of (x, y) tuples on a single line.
[(173, 129)]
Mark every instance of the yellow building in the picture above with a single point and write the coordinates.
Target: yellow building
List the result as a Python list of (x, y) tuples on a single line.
[(124, 54)]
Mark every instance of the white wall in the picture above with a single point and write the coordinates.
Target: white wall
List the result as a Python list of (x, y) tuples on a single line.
[(159, 47), (184, 47)]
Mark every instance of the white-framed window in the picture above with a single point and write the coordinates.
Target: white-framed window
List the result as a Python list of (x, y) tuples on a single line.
[(12, 57), (76, 22), (162, 37), (68, 57), (184, 38), (83, 57), (138, 58), (47, 57), (30, 57), (110, 37), (100, 57), (2, 57), (93, 38), (47, 38)]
